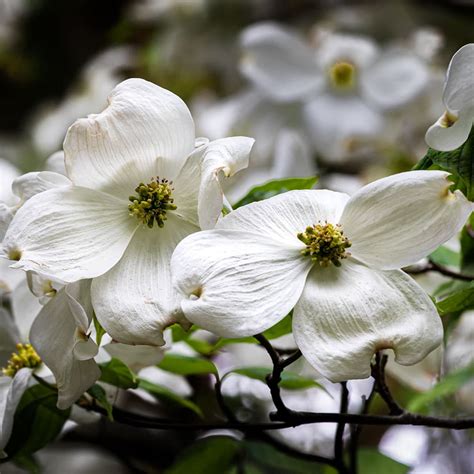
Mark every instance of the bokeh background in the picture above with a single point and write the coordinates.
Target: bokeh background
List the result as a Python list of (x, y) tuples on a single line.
[(60, 59)]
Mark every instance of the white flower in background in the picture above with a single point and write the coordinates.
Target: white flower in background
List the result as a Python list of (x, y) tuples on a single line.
[(292, 158), (97, 79), (292, 251), (453, 127), (139, 186), (345, 84)]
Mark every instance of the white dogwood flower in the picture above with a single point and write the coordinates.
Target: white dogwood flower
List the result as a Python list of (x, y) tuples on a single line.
[(345, 83), (139, 186), (453, 127), (335, 259)]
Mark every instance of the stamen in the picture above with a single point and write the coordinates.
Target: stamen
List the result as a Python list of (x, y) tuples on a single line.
[(25, 356), (152, 202), (342, 75), (325, 244)]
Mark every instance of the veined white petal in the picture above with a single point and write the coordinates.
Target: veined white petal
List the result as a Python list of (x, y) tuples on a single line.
[(136, 357), (11, 391), (335, 122), (70, 234), (396, 221), (78, 296), (283, 216), (10, 278), (394, 80), (227, 155), (346, 314), (53, 335), (447, 136), (459, 89), (279, 63), (135, 301), (236, 283), (145, 131), (29, 184)]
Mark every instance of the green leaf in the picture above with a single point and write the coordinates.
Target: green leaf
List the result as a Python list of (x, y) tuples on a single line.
[(212, 455), (277, 186), (280, 329), (187, 365), (100, 331), (450, 384), (289, 380), (459, 162), (116, 373), (98, 393), (370, 461), (467, 248), (273, 460), (37, 422), (225, 341), (458, 301), (166, 396), (445, 256)]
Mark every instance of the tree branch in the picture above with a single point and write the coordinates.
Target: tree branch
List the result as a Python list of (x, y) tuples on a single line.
[(339, 440), (434, 267)]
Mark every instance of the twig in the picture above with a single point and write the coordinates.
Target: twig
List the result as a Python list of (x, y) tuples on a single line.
[(221, 402), (273, 379), (356, 431), (434, 267), (378, 373), (339, 440)]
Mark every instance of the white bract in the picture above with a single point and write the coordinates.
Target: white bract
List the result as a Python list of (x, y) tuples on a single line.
[(292, 251), (139, 185), (345, 84), (453, 127)]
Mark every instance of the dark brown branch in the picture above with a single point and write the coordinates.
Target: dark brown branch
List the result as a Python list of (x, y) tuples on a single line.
[(378, 373), (221, 402), (339, 439), (356, 431), (434, 267), (273, 379), (291, 419)]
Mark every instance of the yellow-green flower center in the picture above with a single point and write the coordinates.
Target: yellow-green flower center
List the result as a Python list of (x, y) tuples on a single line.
[(325, 244), (25, 356), (152, 202), (342, 75)]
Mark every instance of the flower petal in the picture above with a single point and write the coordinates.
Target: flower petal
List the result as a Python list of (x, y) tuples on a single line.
[(396, 79), (7, 174), (459, 89), (228, 155), (29, 184), (53, 335), (136, 357), (283, 216), (357, 49), (11, 392), (396, 221), (55, 163), (334, 122), (446, 137), (70, 233), (135, 301), (145, 131), (346, 314), (236, 283), (279, 63)]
